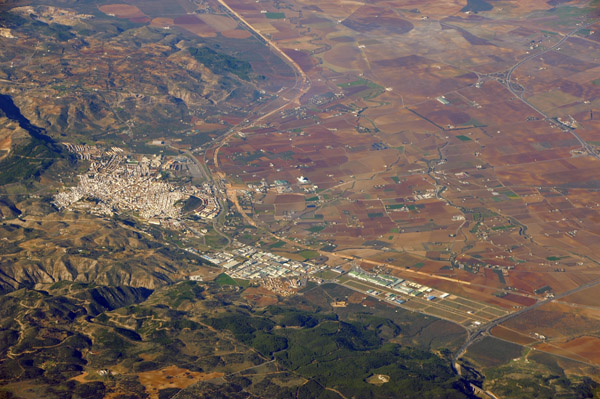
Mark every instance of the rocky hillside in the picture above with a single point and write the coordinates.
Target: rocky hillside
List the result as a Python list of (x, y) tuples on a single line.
[(98, 77), (191, 340), (42, 248), (75, 74)]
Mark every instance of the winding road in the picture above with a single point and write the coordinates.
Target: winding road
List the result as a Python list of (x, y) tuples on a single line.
[(303, 85), (508, 85), (486, 328), (301, 78)]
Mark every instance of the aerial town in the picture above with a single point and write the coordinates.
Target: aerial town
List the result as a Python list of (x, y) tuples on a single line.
[(116, 182), (300, 199)]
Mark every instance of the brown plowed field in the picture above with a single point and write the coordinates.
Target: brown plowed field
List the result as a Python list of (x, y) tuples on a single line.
[(236, 34), (172, 377), (122, 11)]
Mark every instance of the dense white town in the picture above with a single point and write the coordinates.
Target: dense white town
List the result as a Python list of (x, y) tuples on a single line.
[(117, 182), (167, 190)]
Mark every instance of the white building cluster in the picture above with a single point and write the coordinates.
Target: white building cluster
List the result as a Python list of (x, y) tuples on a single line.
[(248, 263), (116, 183), (402, 286)]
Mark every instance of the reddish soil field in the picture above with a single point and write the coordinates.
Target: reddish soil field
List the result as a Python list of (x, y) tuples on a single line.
[(492, 153), (557, 321), (188, 20), (195, 25), (162, 22), (122, 11), (589, 297), (356, 297), (512, 336), (260, 297), (521, 300), (303, 59), (584, 348), (560, 282)]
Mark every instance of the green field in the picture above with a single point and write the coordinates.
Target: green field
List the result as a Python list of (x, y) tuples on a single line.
[(374, 215), (477, 6), (225, 279), (327, 274), (498, 228), (275, 15), (277, 244), (500, 276), (510, 194), (316, 229), (308, 254)]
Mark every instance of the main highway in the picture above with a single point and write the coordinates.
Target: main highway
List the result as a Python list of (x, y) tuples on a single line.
[(485, 329), (304, 84), (301, 86), (301, 79), (508, 85)]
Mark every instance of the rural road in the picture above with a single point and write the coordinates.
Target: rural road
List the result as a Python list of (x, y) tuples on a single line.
[(486, 328), (302, 84), (301, 78), (305, 85), (300, 75), (508, 85)]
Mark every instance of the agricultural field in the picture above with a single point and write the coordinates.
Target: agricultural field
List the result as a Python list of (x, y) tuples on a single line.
[(455, 144), (510, 370), (413, 154), (460, 169)]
